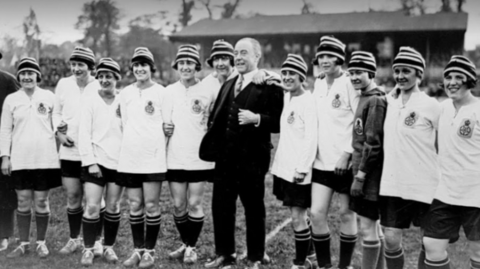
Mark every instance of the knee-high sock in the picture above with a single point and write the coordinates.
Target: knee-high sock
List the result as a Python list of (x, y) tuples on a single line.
[(302, 245), (42, 224), (7, 222), (443, 264), (182, 226), (110, 227), (195, 226), (371, 251), (75, 221), (100, 224), (474, 264), (322, 248), (381, 257), (153, 228), (90, 228), (24, 220), (395, 259), (137, 224), (347, 246), (311, 249)]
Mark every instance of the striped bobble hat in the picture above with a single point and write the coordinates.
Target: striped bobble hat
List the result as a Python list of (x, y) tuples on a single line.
[(220, 47), (84, 55), (188, 52), (362, 60), (143, 55), (330, 45), (109, 65), (408, 56), (463, 65), (29, 64), (296, 64)]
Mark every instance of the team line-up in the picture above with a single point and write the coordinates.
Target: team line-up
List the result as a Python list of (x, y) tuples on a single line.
[(395, 159)]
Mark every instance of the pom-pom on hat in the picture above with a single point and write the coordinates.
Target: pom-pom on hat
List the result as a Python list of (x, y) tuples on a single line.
[(362, 60), (220, 47), (84, 55), (296, 64), (188, 52), (409, 57), (330, 45), (29, 64), (109, 65), (463, 65)]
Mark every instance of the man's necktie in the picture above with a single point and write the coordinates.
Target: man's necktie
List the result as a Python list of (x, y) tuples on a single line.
[(238, 85)]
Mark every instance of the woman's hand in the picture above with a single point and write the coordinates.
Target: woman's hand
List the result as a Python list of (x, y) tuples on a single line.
[(6, 166)]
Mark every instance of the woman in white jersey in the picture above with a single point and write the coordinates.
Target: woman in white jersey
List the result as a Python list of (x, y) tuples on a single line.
[(29, 153), (456, 203), (100, 137), (292, 166), (337, 102), (410, 168), (142, 163), (70, 95), (187, 109)]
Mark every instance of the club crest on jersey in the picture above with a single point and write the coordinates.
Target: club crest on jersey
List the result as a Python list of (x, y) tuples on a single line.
[(291, 118), (336, 102), (149, 108), (411, 119), (466, 128), (118, 112), (42, 110), (358, 126), (197, 106)]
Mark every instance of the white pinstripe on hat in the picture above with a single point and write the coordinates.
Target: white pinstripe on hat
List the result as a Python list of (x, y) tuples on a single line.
[(295, 63), (408, 56), (330, 45), (362, 60), (220, 47), (189, 52), (109, 65), (463, 65), (29, 64), (84, 55)]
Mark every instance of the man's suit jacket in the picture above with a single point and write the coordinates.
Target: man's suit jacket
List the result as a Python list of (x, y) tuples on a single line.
[(265, 100)]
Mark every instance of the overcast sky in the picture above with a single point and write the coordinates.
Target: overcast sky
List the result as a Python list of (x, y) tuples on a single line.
[(57, 17)]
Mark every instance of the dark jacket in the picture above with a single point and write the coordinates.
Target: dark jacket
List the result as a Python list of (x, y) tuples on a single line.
[(8, 196), (242, 147), (367, 140)]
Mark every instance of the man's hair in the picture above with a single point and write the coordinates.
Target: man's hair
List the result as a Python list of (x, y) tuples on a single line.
[(257, 49)]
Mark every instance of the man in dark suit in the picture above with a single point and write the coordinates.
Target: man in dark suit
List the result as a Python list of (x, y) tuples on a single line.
[(238, 141), (8, 196)]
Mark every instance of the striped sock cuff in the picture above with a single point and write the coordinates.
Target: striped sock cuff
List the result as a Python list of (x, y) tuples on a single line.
[(194, 219), (102, 210), (348, 238), (180, 219), (303, 235), (74, 211), (113, 217), (474, 264), (89, 220), (437, 263), (393, 254), (321, 237), (371, 243), (136, 219), (154, 220), (39, 214), (24, 213)]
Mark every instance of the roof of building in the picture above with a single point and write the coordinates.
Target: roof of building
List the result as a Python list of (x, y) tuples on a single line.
[(325, 23)]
